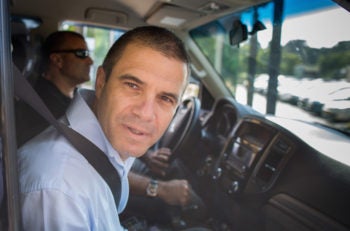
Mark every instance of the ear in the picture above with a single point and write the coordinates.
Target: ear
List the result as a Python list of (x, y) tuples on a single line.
[(100, 81), (56, 60)]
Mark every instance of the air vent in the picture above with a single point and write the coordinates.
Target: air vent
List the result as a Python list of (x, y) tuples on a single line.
[(271, 166)]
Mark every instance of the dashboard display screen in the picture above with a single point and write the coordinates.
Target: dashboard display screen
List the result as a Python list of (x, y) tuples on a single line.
[(250, 140)]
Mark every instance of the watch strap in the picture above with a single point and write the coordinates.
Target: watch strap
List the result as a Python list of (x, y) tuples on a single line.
[(152, 188)]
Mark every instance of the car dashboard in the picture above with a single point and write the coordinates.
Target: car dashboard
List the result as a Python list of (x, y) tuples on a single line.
[(274, 173)]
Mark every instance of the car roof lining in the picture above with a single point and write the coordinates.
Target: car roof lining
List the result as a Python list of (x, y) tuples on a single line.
[(130, 13)]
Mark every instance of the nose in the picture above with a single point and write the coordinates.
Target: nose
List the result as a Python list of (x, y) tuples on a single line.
[(145, 109), (89, 60)]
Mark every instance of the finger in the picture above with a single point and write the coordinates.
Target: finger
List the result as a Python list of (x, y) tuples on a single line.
[(187, 192), (165, 151), (162, 157), (160, 164), (159, 172), (165, 157)]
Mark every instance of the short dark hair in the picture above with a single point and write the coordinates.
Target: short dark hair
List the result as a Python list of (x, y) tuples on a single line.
[(157, 38), (56, 41)]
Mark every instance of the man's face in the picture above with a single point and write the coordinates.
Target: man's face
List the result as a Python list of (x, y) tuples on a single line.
[(76, 69), (137, 103)]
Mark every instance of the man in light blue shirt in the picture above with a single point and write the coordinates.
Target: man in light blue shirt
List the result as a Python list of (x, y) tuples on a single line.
[(52, 171), (137, 91)]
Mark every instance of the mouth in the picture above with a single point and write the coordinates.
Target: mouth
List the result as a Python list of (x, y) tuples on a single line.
[(135, 131)]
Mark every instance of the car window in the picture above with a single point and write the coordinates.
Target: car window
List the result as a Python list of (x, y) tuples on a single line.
[(311, 63), (99, 40)]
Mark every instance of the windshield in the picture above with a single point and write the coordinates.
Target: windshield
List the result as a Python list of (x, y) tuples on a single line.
[(294, 64)]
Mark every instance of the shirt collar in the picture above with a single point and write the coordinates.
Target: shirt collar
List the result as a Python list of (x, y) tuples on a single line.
[(82, 119)]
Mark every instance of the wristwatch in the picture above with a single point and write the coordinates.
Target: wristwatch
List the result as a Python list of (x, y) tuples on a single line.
[(152, 188)]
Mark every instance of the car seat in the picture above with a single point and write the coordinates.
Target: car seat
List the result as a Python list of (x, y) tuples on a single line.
[(26, 50)]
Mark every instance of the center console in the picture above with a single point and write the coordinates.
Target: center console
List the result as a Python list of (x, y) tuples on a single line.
[(252, 157)]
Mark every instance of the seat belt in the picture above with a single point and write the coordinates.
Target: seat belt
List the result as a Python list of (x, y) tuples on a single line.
[(95, 156)]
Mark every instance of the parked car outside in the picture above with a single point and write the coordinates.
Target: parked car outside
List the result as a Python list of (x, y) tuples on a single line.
[(337, 106)]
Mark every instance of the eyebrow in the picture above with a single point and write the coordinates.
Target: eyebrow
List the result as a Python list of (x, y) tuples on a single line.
[(139, 81), (132, 78)]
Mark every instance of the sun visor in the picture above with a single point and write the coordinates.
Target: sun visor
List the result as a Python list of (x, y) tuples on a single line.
[(106, 16)]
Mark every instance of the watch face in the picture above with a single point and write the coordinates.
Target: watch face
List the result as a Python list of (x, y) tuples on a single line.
[(152, 188)]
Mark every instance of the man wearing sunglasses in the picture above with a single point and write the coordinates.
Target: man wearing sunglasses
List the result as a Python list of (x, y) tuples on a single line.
[(65, 65)]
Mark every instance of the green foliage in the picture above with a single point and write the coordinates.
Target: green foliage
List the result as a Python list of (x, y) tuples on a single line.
[(332, 63), (324, 63), (297, 58), (102, 44), (289, 62)]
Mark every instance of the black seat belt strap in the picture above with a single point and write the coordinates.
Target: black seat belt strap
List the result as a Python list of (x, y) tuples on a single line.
[(95, 156)]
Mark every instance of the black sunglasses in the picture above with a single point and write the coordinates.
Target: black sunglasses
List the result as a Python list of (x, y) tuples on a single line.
[(79, 53)]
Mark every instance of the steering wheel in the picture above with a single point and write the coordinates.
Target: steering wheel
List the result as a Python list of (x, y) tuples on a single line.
[(178, 135)]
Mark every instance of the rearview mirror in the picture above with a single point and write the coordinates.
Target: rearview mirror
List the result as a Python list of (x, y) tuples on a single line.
[(238, 33)]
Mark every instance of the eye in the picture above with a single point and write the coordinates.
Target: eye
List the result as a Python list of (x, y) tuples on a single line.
[(132, 85), (168, 99)]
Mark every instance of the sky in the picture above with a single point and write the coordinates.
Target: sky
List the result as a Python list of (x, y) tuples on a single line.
[(307, 27)]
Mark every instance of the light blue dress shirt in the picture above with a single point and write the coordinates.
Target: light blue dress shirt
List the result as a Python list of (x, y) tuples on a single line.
[(59, 189)]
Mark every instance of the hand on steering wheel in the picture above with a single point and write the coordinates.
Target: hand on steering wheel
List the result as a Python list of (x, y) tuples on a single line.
[(158, 161)]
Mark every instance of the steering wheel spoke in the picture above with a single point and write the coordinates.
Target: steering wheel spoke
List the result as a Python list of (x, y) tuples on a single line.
[(178, 135)]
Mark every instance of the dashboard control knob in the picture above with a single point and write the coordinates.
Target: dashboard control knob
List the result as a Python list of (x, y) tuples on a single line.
[(217, 173), (234, 186)]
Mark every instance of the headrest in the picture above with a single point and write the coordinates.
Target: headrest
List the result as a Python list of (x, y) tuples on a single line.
[(24, 54), (19, 28)]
